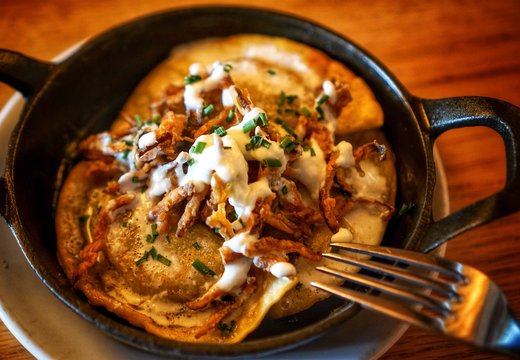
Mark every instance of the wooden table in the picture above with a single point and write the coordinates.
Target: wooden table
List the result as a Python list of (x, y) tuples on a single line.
[(437, 49)]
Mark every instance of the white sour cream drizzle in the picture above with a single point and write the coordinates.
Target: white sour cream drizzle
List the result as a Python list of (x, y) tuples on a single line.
[(310, 170), (345, 158), (235, 274), (160, 182), (330, 90)]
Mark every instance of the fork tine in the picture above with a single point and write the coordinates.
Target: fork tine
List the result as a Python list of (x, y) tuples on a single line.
[(443, 287), (393, 289), (383, 306), (424, 261)]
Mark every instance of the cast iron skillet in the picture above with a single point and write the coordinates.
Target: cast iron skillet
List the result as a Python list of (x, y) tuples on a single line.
[(83, 94)]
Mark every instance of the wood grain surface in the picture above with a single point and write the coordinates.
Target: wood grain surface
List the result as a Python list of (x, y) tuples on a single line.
[(436, 48)]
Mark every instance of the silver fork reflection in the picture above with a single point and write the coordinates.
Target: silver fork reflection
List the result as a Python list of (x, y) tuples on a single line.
[(430, 292)]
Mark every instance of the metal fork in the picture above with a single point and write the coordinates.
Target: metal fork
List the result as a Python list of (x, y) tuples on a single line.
[(430, 292)]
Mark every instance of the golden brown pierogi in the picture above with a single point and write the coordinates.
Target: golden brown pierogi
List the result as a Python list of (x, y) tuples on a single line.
[(207, 205)]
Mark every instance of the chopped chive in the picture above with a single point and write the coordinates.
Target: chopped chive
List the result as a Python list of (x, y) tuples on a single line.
[(153, 252), (190, 79), (309, 148), (320, 112), (125, 154), (143, 258), (270, 162), (202, 268), (291, 98), (208, 110), (157, 119), (221, 131), (287, 144), (230, 115), (128, 143), (227, 329), (281, 99), (285, 190), (248, 126), (149, 238), (289, 130), (227, 67), (138, 121), (143, 189), (163, 260), (290, 111), (257, 141), (135, 179), (154, 229), (322, 99), (305, 112), (227, 147), (191, 162), (271, 72), (216, 230), (262, 119), (299, 285), (198, 148), (196, 246), (406, 208), (279, 120), (266, 143)]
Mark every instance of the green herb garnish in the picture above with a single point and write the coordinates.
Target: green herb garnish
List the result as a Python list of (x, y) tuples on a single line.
[(198, 148), (163, 260), (202, 268), (285, 190), (135, 179), (405, 208), (271, 72), (208, 110), (270, 162), (138, 121), (322, 99), (191, 162), (227, 329), (230, 115), (221, 131), (305, 112), (196, 246), (190, 79), (290, 98), (287, 144), (248, 126), (227, 67)]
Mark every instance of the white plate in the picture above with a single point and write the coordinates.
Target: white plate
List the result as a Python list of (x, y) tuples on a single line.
[(48, 329)]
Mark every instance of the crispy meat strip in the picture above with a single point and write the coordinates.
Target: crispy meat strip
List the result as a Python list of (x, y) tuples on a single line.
[(191, 211), (215, 121), (364, 151), (160, 211), (106, 216), (268, 244), (328, 202), (343, 98), (217, 203), (227, 308)]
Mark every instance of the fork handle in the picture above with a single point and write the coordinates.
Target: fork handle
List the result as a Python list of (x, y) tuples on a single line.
[(445, 114), (509, 340)]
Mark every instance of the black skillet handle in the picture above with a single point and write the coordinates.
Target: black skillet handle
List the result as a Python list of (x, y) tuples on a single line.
[(504, 118), (23, 73), (27, 75)]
